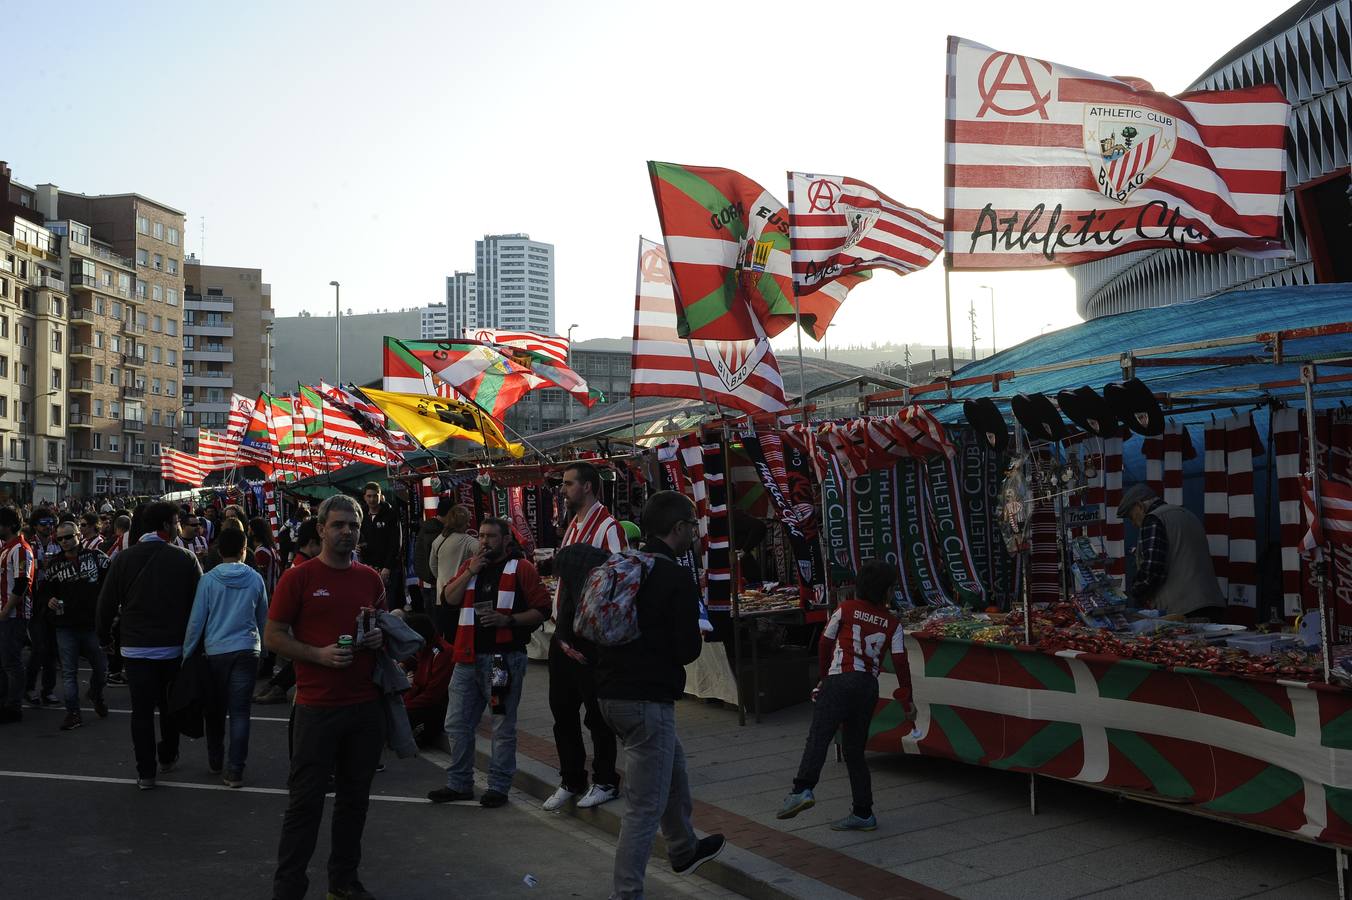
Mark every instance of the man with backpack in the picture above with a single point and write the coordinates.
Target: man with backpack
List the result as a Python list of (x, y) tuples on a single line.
[(498, 600), (638, 682)]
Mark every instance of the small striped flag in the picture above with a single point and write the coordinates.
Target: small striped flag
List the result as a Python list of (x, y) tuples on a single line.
[(550, 345)]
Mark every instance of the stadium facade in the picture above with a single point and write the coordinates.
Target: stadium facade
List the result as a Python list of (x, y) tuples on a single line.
[(1307, 52)]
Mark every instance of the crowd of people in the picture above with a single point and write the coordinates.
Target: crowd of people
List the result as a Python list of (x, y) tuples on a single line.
[(320, 613)]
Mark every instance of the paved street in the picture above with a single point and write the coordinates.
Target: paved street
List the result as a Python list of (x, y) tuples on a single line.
[(71, 815)]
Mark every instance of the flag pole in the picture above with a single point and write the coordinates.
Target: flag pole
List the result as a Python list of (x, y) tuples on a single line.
[(802, 372), (948, 311), (699, 382)]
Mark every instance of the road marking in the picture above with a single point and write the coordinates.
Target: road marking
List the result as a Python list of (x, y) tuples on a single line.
[(127, 712), (98, 779)]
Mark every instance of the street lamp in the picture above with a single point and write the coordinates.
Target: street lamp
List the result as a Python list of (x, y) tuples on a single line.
[(267, 359), (826, 351), (31, 449), (992, 290), (1044, 329), (337, 337), (569, 400)]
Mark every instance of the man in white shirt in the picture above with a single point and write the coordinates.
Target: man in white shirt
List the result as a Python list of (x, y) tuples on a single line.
[(590, 522)]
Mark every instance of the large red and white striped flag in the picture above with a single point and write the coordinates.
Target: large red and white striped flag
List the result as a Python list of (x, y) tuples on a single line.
[(213, 451), (1335, 525), (550, 345), (1052, 166), (175, 465), (741, 374), (841, 226), (241, 412)]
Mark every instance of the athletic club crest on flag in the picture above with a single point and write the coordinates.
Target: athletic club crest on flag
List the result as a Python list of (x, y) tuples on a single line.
[(734, 361), (1127, 146)]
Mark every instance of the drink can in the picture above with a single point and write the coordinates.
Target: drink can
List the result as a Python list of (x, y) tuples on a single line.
[(60, 607), (344, 640)]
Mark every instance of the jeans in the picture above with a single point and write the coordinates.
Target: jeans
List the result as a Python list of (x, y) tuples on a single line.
[(232, 676), (571, 685), (42, 656), (344, 741), (74, 643), (11, 661), (468, 697), (846, 699), (148, 682), (656, 790)]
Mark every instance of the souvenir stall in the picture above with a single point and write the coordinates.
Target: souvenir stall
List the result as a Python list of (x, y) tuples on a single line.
[(1240, 713)]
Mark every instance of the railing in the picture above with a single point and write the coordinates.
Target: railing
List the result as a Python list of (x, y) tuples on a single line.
[(81, 350), (6, 266), (132, 328), (134, 424), (102, 251), (79, 418), (81, 384), (138, 459), (80, 453), (133, 393), (50, 282), (82, 315), (131, 359)]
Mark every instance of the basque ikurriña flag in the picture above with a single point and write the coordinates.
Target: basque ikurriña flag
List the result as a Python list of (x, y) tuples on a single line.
[(1052, 166), (727, 239)]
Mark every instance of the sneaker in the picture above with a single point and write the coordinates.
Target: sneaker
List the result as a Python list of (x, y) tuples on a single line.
[(559, 799), (705, 850), (71, 722), (233, 778), (270, 695), (446, 795), (796, 803), (145, 784), (380, 767), (353, 891), (116, 679), (855, 823), (51, 700), (493, 799), (598, 794), (167, 767)]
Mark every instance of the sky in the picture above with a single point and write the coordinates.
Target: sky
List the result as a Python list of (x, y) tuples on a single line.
[(324, 142)]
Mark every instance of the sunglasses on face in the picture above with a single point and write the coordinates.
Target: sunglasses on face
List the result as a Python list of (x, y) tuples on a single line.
[(65, 537)]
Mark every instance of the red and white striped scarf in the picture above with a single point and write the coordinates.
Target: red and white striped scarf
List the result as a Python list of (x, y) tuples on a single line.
[(1286, 433), (464, 632), (1114, 530), (596, 527), (1175, 438), (1216, 504), (1240, 445)]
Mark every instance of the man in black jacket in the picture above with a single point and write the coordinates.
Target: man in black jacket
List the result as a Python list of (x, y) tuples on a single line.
[(638, 684), (150, 588), (572, 684), (70, 589), (378, 544)]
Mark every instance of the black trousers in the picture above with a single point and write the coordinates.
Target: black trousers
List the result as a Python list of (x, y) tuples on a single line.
[(344, 741), (848, 700), (573, 685), (115, 657), (148, 682), (43, 654)]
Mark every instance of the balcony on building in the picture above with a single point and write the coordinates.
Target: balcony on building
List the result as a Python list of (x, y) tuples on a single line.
[(131, 359), (130, 327), (81, 351), (208, 303), (133, 393), (209, 379), (217, 354), (136, 459), (80, 420), (81, 386), (47, 282), (205, 330), (134, 424), (81, 453), (82, 315)]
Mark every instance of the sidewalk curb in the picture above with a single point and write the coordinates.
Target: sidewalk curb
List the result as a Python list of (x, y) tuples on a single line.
[(735, 869)]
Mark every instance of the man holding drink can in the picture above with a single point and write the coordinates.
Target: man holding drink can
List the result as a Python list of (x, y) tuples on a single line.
[(339, 715), (70, 589)]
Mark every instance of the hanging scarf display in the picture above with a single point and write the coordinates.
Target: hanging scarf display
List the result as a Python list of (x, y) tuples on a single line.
[(914, 527), (1286, 433), (500, 502), (691, 454), (1044, 568), (1216, 503), (465, 495), (464, 632), (1340, 570), (516, 514), (784, 470), (674, 479), (1240, 446), (836, 525), (980, 469), (950, 532), (719, 573), (1175, 438), (1152, 448)]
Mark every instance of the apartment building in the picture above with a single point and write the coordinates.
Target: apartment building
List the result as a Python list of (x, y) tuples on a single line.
[(227, 342), (34, 335), (462, 304), (143, 346), (514, 283), (434, 322)]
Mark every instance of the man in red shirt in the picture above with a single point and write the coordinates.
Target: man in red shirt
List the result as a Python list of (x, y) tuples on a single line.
[(339, 715), (851, 653), (498, 600)]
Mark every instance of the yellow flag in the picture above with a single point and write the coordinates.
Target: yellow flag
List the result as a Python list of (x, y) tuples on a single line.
[(433, 420)]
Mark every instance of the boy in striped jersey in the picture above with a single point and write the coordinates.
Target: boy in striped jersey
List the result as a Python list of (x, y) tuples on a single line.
[(851, 653)]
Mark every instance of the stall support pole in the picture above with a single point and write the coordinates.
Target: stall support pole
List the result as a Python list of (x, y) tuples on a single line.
[(1340, 861), (1026, 553), (948, 312), (735, 566), (1307, 378)]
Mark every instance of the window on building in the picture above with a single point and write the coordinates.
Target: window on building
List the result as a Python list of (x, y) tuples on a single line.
[(4, 288), (172, 266), (114, 443), (58, 307), (158, 231), (172, 326), (143, 257), (23, 374), (171, 296), (172, 358), (26, 300), (115, 377), (143, 225), (56, 379), (116, 344), (98, 441), (173, 236), (18, 448), (116, 311), (114, 409), (98, 408), (25, 335), (54, 453), (154, 354), (157, 293), (154, 385), (100, 306), (4, 407), (123, 283), (140, 289), (154, 417), (157, 324), (56, 416), (25, 412), (158, 260), (107, 278), (4, 327), (99, 338), (171, 388), (56, 340), (169, 419)]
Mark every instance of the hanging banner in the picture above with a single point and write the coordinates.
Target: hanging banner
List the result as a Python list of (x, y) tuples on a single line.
[(516, 514), (981, 471), (919, 570), (835, 509), (950, 532), (785, 472)]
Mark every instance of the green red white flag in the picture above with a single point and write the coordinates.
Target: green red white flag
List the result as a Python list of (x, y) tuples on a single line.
[(405, 374), (727, 239), (482, 374)]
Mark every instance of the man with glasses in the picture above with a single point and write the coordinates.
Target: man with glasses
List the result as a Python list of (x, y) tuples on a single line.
[(150, 588), (638, 684), (41, 631), (90, 536), (70, 591)]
